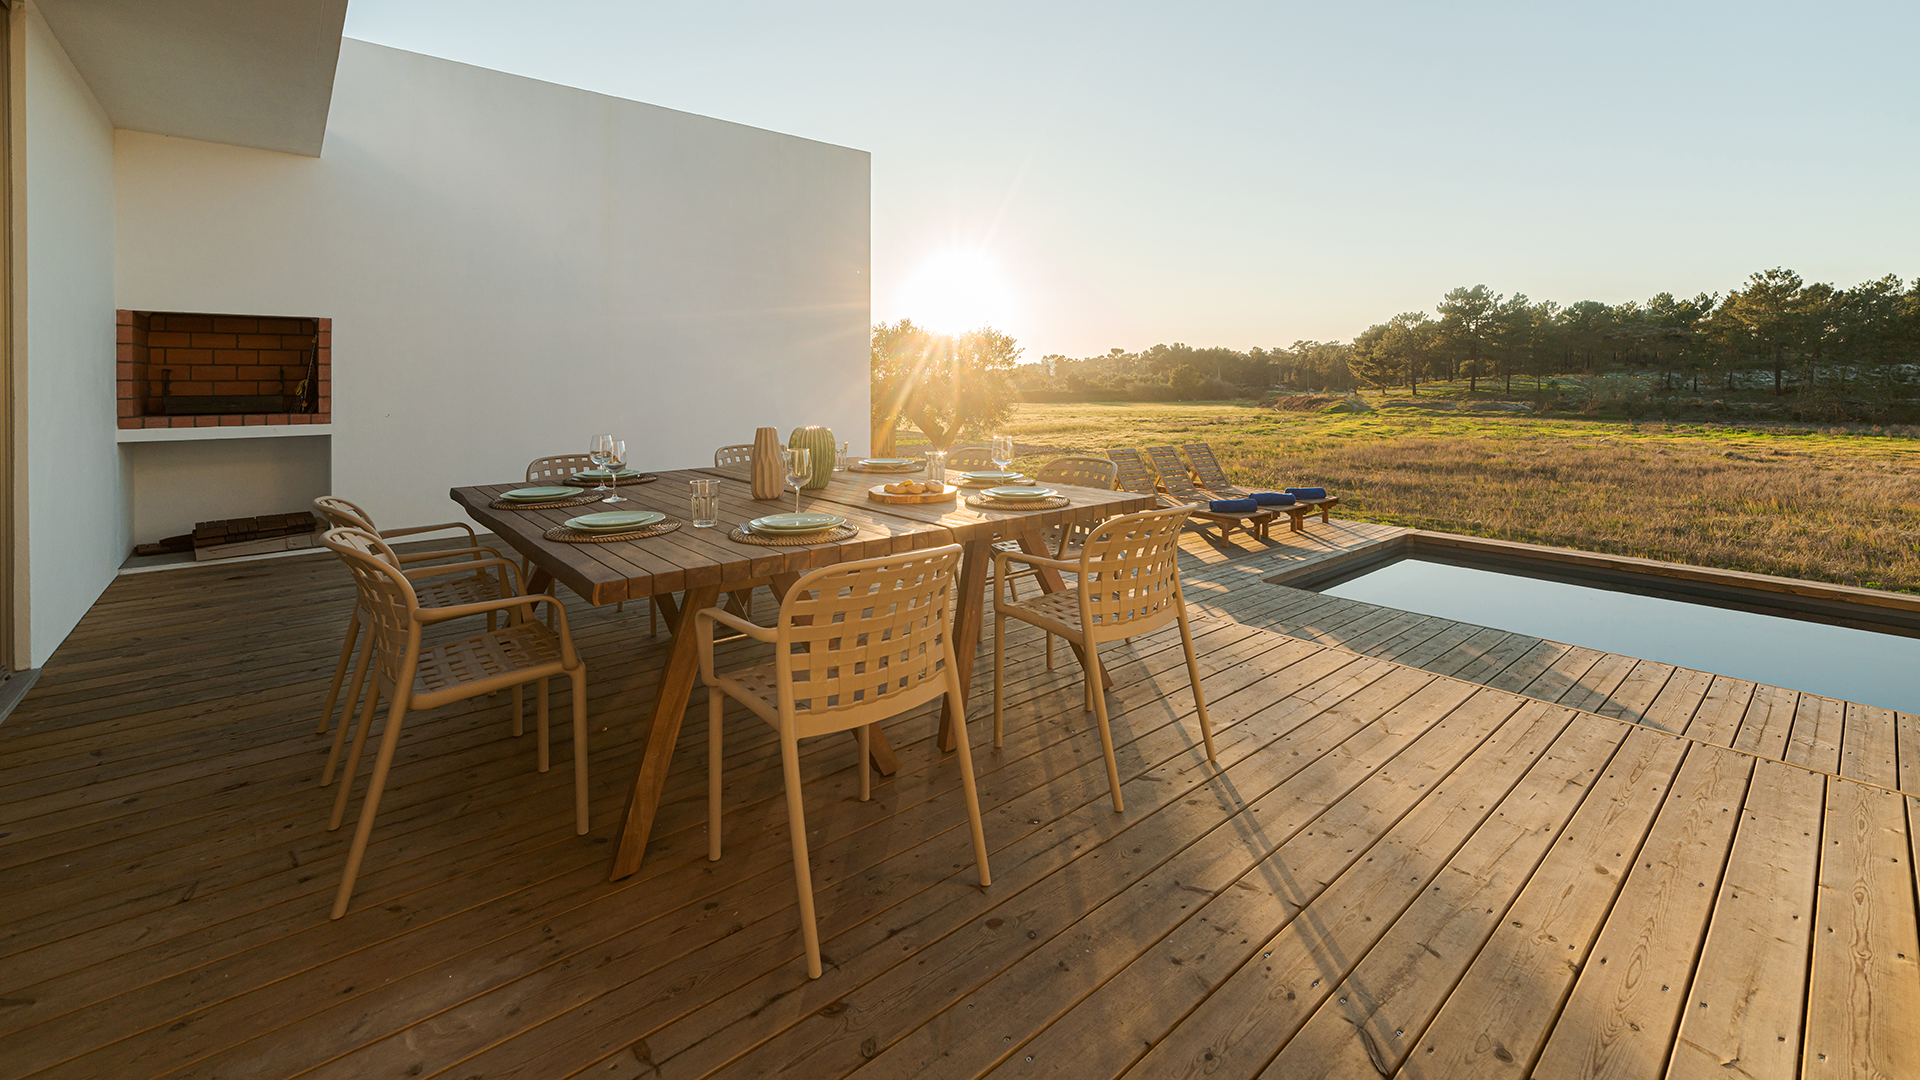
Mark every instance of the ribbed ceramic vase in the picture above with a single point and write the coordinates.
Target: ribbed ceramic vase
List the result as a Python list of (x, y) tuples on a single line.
[(769, 465)]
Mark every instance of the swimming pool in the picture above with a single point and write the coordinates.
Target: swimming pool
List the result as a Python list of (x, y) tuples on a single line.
[(1835, 661)]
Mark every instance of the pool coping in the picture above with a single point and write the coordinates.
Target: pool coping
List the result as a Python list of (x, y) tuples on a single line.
[(1845, 605)]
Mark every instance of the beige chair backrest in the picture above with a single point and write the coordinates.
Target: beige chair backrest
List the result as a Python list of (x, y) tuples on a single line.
[(341, 514), (386, 595), (970, 458), (1205, 469), (1081, 471), (872, 633), (559, 467), (728, 456), (1135, 474), (1130, 573)]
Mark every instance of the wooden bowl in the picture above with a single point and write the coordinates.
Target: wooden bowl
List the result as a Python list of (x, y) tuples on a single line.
[(879, 493)]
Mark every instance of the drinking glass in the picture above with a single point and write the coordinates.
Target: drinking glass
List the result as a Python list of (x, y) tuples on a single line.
[(1003, 451), (706, 503), (616, 458), (843, 460), (598, 453), (799, 471), (937, 468)]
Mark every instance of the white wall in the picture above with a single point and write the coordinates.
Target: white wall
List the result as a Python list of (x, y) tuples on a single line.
[(77, 527), (175, 485), (512, 266)]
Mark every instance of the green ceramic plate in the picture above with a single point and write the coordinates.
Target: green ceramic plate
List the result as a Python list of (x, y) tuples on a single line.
[(539, 494), (615, 521), (1021, 493), (601, 474), (796, 523), (992, 477), (888, 462)]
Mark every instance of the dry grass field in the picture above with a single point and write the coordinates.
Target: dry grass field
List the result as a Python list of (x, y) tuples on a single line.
[(1827, 504)]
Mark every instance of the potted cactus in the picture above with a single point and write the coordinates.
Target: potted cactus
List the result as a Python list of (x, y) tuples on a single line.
[(825, 452)]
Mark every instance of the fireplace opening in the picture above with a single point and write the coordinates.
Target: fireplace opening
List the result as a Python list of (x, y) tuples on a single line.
[(198, 369)]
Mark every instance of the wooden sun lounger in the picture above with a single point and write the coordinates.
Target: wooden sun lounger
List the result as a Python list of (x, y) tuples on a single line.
[(1210, 476), (1178, 490)]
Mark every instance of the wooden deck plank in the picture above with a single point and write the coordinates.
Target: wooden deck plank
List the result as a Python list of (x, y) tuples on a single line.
[(1375, 1017), (1743, 1014), (1620, 1019), (1501, 1012), (1239, 1027), (1768, 722), (1815, 740), (1864, 990)]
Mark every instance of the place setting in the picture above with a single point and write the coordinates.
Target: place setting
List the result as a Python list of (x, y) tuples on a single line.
[(1018, 497), (544, 497), (793, 530), (609, 457), (887, 465), (610, 526)]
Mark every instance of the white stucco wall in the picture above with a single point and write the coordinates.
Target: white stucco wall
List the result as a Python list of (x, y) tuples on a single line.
[(77, 530), (512, 266)]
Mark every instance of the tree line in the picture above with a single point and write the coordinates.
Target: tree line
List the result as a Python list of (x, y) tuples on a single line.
[(1775, 331)]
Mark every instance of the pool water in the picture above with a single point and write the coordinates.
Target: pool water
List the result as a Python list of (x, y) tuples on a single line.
[(1834, 661)]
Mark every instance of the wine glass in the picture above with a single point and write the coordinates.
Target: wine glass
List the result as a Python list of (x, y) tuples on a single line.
[(616, 457), (799, 470), (1002, 451), (598, 453)]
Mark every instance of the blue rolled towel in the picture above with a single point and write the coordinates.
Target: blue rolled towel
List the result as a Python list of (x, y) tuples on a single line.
[(1233, 506), (1273, 498), (1308, 493)]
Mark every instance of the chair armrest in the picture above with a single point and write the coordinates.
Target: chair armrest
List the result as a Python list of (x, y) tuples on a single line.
[(1072, 567), (511, 569), (446, 553), (752, 629), (388, 534), (429, 616)]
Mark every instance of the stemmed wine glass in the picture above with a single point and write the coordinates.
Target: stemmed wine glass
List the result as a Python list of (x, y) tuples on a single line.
[(799, 470), (1002, 451), (616, 457), (598, 453)]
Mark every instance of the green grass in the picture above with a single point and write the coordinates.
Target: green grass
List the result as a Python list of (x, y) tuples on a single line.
[(1830, 504)]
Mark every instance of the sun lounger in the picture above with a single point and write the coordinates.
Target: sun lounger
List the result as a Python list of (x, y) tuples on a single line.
[(1179, 491), (1209, 475)]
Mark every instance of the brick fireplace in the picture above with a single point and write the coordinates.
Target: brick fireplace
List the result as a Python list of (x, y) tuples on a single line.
[(184, 369)]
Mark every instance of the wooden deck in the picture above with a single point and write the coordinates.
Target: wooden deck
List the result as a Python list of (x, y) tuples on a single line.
[(1395, 872)]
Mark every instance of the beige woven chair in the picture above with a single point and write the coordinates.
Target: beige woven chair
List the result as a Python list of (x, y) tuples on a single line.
[(1081, 471), (557, 469), (1129, 584), (413, 676), (970, 459), (487, 582), (855, 644), (729, 456)]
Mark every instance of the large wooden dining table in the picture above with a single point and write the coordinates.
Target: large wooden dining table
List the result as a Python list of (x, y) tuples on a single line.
[(703, 564)]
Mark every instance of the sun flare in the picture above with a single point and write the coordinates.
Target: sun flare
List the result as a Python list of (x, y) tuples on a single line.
[(957, 291)]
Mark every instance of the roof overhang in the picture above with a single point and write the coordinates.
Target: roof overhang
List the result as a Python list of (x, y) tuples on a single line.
[(246, 72)]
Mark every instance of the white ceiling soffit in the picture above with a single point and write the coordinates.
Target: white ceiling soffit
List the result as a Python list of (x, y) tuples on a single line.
[(247, 72)]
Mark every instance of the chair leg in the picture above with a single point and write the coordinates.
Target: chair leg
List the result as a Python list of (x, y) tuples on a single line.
[(1100, 714), (579, 750), (340, 671), (346, 712), (999, 667), (518, 729), (797, 829), (1049, 652), (957, 702), (716, 703), (653, 618), (389, 739), (540, 720), (353, 756), (1193, 674), (864, 735)]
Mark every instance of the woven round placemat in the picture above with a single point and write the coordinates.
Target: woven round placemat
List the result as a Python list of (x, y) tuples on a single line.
[(574, 536), (827, 536), (546, 504), (1054, 503), (625, 481)]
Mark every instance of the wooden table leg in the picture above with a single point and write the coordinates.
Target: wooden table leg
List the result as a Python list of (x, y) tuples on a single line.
[(975, 564), (1034, 543), (879, 751), (669, 709), (669, 610), (539, 581)]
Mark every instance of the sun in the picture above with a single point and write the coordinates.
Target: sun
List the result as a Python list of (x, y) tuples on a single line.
[(957, 291)]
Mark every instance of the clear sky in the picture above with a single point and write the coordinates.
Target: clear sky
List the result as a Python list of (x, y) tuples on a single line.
[(1119, 174)]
